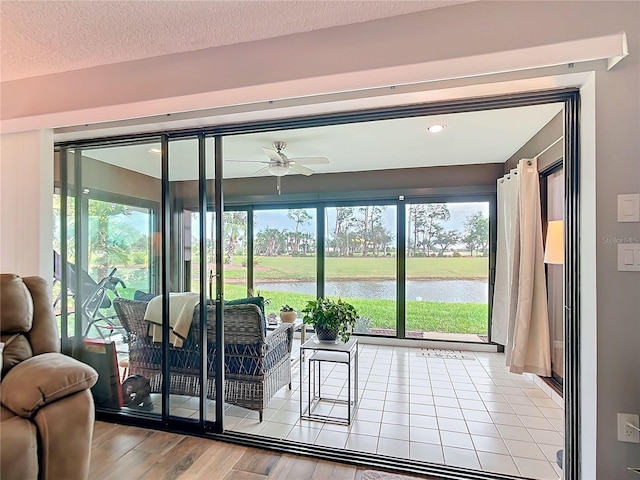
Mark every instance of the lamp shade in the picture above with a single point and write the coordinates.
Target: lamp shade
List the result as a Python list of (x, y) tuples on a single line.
[(554, 247)]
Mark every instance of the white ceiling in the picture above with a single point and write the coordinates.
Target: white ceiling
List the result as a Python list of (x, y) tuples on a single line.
[(44, 37), (490, 136)]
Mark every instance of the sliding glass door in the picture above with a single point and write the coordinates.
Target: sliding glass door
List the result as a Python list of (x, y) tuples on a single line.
[(360, 263), (447, 268), (132, 257)]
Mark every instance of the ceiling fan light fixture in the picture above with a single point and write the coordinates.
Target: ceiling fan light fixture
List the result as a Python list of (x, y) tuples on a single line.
[(436, 128), (278, 170)]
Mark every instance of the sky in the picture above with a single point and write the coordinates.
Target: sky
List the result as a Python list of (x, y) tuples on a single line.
[(278, 218)]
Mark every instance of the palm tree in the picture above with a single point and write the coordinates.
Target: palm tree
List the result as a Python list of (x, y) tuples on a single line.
[(235, 227), (301, 217), (270, 241), (110, 235)]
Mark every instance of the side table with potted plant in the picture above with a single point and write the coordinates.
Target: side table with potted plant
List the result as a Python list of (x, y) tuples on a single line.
[(333, 322)]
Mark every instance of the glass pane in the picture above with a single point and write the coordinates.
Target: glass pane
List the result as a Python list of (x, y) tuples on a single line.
[(235, 246), (284, 262), (447, 271), (184, 298), (360, 264), (114, 255), (57, 293), (212, 291)]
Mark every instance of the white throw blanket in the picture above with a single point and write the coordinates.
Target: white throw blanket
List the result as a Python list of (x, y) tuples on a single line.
[(181, 307)]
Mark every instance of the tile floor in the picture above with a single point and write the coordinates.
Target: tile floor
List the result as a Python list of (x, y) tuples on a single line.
[(471, 413)]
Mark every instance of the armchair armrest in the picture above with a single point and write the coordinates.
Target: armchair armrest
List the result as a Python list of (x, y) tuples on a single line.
[(284, 333), (43, 379)]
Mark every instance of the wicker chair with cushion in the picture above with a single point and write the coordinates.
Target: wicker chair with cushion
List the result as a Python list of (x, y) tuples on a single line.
[(256, 366)]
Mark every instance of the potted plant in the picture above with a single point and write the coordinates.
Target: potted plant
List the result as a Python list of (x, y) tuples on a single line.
[(330, 319), (287, 314)]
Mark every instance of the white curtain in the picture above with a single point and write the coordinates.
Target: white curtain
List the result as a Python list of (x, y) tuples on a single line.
[(507, 258), (520, 320)]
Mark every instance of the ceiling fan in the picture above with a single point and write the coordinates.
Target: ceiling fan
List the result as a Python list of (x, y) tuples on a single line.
[(280, 165)]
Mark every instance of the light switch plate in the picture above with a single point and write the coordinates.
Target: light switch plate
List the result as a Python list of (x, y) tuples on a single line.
[(629, 257), (629, 208)]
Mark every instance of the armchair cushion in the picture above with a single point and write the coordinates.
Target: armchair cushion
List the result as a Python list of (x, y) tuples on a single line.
[(43, 379), (16, 349), (17, 305)]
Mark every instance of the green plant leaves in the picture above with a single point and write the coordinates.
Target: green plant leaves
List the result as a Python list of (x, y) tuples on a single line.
[(333, 315)]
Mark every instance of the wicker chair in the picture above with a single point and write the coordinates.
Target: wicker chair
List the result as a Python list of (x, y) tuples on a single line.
[(256, 366)]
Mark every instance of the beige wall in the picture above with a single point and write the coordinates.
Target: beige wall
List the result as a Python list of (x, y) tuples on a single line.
[(26, 168), (109, 178), (542, 142), (610, 148)]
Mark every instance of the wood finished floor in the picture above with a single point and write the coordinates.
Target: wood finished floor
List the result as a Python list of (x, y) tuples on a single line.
[(121, 452)]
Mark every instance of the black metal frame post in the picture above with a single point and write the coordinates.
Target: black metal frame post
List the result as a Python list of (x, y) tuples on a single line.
[(219, 212), (64, 251), (250, 252), (165, 234), (572, 403), (202, 226), (80, 246), (321, 243), (401, 267)]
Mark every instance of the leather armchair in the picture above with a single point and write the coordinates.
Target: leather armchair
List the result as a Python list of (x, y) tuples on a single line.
[(46, 411)]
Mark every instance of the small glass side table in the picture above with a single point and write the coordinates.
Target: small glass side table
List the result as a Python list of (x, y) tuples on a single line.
[(315, 354)]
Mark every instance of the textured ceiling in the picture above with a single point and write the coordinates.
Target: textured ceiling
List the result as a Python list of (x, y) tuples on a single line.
[(43, 37)]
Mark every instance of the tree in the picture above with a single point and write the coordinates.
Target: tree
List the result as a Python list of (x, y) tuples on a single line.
[(235, 226), (447, 238), (381, 238), (270, 242), (345, 221), (110, 235), (416, 216), (426, 225), (476, 233), (371, 217), (301, 217), (429, 226)]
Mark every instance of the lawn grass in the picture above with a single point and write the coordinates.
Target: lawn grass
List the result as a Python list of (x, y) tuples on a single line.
[(304, 268)]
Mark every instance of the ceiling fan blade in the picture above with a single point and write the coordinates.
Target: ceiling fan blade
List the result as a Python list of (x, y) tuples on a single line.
[(310, 160), (300, 169), (272, 154), (262, 170), (247, 161)]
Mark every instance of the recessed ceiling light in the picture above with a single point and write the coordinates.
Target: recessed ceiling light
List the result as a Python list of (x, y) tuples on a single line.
[(157, 151), (436, 128)]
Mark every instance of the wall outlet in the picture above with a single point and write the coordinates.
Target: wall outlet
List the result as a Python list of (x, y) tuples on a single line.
[(627, 433)]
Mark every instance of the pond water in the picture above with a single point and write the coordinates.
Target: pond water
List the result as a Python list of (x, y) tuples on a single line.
[(453, 291)]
